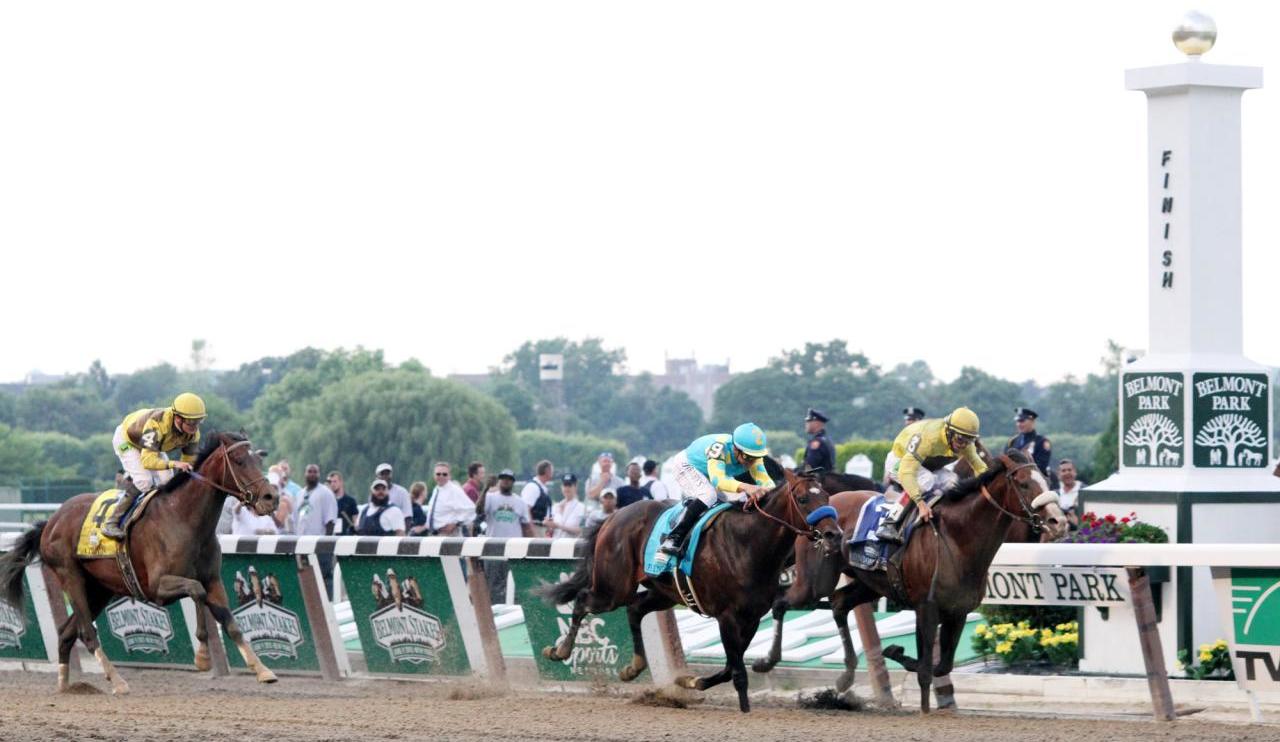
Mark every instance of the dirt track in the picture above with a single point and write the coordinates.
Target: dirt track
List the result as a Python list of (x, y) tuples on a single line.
[(168, 705)]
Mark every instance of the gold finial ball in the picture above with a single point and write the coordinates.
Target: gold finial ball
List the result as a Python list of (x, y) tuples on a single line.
[(1195, 34)]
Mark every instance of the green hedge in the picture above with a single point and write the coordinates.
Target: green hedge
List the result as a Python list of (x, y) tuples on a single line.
[(875, 450), (574, 452)]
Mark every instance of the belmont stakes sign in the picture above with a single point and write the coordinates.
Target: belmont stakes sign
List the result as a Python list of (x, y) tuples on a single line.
[(266, 600), (603, 646), (404, 616), (133, 631), (1096, 586)]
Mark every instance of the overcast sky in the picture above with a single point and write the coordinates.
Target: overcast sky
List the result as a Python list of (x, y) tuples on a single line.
[(958, 182)]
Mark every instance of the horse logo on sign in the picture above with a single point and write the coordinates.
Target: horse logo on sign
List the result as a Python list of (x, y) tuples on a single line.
[(400, 626), (141, 627), (271, 629)]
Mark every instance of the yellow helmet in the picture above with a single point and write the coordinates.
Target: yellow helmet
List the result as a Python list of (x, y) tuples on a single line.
[(963, 421), (189, 406)]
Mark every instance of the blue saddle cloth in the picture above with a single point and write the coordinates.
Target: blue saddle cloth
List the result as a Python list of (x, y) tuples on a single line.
[(663, 526), (865, 550)]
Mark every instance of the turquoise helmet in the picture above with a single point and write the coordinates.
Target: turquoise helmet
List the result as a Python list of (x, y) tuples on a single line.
[(749, 439)]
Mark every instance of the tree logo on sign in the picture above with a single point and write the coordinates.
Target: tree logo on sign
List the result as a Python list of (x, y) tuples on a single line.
[(1231, 433)]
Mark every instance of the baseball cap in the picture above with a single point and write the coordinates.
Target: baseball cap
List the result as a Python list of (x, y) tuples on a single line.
[(376, 484), (606, 455), (608, 493), (381, 468), (569, 479), (506, 474)]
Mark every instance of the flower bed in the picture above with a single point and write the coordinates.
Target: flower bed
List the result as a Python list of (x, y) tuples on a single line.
[(1215, 662), (1111, 529), (1018, 645)]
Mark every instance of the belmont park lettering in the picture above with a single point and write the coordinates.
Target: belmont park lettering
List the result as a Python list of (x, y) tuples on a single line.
[(1055, 586), (1155, 391), (1232, 392)]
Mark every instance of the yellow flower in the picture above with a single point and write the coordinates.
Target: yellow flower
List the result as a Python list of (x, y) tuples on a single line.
[(1220, 644), (1002, 629), (1024, 624), (1206, 656), (980, 630), (1046, 633), (1205, 648), (1004, 647)]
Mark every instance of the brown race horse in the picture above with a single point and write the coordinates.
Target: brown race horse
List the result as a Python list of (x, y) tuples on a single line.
[(173, 548), (735, 574), (971, 527)]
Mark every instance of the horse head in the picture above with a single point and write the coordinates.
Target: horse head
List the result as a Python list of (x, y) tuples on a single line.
[(1027, 495), (229, 463), (806, 508)]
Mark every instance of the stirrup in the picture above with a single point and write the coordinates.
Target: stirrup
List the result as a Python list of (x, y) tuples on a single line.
[(113, 531), (889, 534)]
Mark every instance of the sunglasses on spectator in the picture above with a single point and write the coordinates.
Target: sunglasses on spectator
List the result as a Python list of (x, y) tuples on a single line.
[(442, 474)]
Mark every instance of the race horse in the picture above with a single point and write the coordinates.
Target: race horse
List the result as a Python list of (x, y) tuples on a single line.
[(173, 549), (735, 572), (943, 571)]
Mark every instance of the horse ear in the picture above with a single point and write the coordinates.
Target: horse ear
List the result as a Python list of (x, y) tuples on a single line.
[(789, 476), (1007, 462)]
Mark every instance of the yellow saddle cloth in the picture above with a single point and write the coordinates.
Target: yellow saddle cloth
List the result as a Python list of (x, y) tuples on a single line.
[(92, 544)]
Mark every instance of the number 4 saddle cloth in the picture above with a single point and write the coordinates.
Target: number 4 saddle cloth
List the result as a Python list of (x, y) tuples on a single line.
[(92, 544)]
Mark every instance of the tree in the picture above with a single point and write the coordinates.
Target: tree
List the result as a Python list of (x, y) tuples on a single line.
[(407, 418), (592, 376), (572, 453), (67, 408), (22, 458), (90, 458), (518, 400), (316, 372), (1231, 432), (1106, 457), (143, 388), (1151, 431), (8, 408), (818, 358), (100, 380)]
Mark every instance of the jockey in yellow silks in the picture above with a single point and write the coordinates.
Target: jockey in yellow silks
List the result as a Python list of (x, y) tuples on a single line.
[(705, 471), (142, 442), (916, 462)]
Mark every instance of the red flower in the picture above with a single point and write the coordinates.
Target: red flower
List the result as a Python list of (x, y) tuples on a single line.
[(1111, 518), (1124, 520)]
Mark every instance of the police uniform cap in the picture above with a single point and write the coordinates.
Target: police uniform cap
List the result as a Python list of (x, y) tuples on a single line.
[(569, 479), (1024, 413), (913, 412), (815, 415)]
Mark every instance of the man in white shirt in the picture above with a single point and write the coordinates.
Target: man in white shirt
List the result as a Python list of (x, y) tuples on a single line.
[(245, 522), (598, 483), (653, 483), (566, 516), (379, 517), (1069, 490), (316, 515), (399, 495), (535, 494), (449, 512)]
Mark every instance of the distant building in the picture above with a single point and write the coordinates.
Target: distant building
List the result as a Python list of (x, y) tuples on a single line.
[(699, 382)]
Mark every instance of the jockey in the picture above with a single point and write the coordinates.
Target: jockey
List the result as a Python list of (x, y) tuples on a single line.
[(705, 472), (916, 463), (142, 441)]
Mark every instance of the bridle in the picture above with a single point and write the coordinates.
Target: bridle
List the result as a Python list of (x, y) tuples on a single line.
[(241, 492), (813, 534), (1010, 475)]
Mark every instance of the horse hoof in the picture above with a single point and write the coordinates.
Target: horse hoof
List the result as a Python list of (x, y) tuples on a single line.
[(687, 681), (627, 674), (121, 689), (266, 676), (549, 653), (844, 683), (762, 665), (202, 662)]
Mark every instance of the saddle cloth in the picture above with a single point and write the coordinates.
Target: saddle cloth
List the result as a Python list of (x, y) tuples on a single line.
[(663, 526), (865, 550), (92, 544)]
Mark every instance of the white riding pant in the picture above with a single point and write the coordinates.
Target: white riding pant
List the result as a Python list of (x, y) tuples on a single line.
[(131, 461), (941, 479), (695, 484)]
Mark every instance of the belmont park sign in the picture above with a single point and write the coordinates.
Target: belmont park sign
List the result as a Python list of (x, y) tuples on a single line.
[(1229, 425)]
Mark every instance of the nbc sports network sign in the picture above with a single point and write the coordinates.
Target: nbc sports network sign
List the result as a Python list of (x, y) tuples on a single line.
[(1250, 603)]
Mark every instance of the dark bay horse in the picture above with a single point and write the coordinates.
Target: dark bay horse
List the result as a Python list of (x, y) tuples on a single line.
[(969, 518), (173, 549), (735, 574)]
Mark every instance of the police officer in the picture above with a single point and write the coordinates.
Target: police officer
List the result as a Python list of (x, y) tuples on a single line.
[(820, 452), (1035, 445)]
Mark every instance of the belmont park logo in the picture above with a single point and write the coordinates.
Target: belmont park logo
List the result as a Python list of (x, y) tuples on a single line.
[(272, 630), (141, 627), (400, 626), (12, 626)]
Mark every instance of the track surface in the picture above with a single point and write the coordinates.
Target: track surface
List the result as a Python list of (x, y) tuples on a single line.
[(168, 705)]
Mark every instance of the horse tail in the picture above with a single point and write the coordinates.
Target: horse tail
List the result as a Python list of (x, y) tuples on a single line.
[(12, 565), (561, 593)]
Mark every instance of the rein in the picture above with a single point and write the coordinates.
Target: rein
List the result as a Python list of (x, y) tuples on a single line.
[(812, 534), (241, 493)]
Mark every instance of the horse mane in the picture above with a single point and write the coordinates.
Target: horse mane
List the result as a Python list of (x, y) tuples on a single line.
[(971, 485), (208, 447)]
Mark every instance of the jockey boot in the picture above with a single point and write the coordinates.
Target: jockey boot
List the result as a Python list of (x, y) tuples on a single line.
[(673, 545), (113, 528), (891, 530)]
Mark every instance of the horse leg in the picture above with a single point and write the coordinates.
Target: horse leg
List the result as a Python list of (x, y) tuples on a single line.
[(843, 601), (729, 638), (765, 664), (216, 598), (68, 632), (561, 651), (951, 627), (926, 633), (649, 602), (87, 605), (173, 587), (747, 627)]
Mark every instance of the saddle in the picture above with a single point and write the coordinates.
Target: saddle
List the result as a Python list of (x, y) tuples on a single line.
[(93, 545), (868, 553)]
